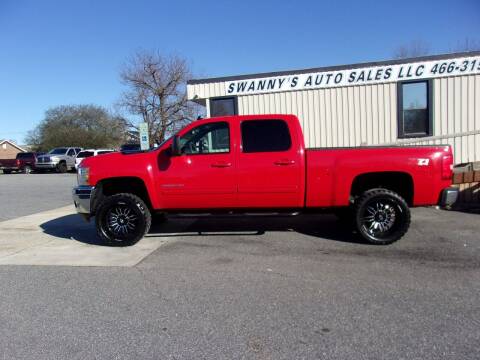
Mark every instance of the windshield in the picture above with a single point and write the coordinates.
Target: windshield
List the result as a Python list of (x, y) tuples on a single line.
[(24, 155), (84, 154), (58, 151), (163, 142)]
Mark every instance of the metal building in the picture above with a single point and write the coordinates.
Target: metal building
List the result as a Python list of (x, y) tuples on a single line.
[(425, 100)]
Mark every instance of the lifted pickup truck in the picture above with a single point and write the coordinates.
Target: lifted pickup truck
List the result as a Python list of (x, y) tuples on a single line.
[(24, 162), (259, 164)]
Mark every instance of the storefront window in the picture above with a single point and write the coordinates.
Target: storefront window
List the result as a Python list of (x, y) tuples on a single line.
[(414, 109), (223, 106)]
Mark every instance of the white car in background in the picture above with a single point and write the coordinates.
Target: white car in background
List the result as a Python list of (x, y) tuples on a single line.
[(88, 153)]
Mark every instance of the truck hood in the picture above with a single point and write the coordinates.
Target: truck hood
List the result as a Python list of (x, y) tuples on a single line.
[(118, 165)]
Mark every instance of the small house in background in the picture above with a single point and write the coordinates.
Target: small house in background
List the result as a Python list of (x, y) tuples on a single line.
[(417, 101), (9, 150)]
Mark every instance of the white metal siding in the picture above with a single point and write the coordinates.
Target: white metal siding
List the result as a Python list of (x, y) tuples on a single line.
[(346, 116), (367, 114), (456, 113)]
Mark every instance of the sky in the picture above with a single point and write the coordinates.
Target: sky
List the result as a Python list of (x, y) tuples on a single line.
[(60, 52)]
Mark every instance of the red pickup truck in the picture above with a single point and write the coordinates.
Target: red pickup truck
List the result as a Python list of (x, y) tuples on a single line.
[(24, 162), (259, 164)]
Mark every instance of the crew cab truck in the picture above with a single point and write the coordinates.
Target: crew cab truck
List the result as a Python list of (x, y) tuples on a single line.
[(24, 162), (259, 164)]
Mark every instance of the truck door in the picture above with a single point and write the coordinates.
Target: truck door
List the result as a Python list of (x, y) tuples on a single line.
[(70, 158), (204, 175), (270, 165)]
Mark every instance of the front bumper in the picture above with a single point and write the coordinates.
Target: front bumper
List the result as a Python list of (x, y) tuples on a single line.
[(449, 196), (82, 196), (46, 165)]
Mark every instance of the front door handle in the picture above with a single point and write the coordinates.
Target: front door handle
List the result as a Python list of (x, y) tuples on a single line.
[(284, 162), (221, 164)]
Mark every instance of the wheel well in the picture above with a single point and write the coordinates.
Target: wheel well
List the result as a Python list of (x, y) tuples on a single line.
[(131, 185), (399, 182)]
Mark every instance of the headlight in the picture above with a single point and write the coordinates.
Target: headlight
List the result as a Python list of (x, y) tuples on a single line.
[(54, 158), (83, 175)]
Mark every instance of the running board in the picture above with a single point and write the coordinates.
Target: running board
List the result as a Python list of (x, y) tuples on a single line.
[(233, 214)]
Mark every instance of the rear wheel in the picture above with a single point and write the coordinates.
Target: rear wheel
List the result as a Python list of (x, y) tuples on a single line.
[(122, 219), (7, 171), (381, 216)]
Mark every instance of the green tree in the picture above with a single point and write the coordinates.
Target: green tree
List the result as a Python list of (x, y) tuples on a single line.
[(87, 126)]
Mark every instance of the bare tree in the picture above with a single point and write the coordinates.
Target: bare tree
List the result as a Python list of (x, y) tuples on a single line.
[(467, 44), (156, 92), (413, 49)]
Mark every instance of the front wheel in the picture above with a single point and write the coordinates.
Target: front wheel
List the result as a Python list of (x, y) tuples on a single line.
[(122, 219), (381, 216), (62, 168)]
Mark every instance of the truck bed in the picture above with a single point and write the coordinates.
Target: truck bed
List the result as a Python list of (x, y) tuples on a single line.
[(334, 170)]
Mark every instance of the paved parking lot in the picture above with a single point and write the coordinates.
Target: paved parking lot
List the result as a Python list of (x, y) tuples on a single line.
[(22, 194), (289, 288)]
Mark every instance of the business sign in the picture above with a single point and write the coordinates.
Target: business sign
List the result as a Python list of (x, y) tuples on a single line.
[(360, 76), (144, 142)]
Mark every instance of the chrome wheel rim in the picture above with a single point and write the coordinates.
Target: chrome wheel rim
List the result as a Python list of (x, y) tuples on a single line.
[(122, 221), (379, 217)]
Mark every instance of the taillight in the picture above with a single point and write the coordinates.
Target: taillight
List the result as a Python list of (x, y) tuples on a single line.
[(447, 166), (17, 162)]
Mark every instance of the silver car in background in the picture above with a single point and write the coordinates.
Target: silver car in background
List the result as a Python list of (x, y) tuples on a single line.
[(59, 159)]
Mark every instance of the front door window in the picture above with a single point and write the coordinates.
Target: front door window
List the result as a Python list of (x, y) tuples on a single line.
[(206, 139)]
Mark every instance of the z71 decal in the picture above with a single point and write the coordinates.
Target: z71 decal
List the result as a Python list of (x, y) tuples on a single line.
[(423, 162)]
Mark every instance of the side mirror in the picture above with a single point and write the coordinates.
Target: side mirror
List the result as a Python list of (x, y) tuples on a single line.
[(176, 150)]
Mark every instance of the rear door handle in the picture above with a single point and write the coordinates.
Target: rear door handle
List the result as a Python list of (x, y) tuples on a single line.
[(284, 162), (221, 164)]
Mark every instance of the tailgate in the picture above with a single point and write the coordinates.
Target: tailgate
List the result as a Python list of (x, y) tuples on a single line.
[(8, 162)]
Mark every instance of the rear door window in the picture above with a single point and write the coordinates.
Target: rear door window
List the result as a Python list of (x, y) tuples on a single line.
[(265, 136)]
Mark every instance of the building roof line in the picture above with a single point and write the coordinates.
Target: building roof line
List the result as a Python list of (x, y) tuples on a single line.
[(334, 68), (13, 144)]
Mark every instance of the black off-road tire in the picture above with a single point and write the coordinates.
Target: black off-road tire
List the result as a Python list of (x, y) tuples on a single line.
[(108, 208), (392, 203), (6, 172), (62, 167)]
